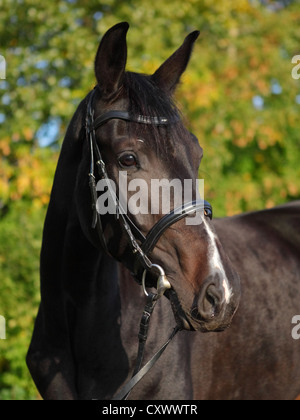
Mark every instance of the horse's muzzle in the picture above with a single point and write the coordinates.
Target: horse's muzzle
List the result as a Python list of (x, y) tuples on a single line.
[(212, 310)]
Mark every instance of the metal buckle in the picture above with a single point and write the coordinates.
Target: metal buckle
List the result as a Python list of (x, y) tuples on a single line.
[(163, 283), (101, 168)]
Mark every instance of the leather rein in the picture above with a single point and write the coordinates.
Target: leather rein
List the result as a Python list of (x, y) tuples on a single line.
[(141, 245)]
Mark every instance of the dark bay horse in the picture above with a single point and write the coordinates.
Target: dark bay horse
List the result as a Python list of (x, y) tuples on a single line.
[(84, 343)]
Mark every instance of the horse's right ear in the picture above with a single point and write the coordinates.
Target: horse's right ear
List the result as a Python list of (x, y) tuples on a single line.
[(169, 73), (110, 61)]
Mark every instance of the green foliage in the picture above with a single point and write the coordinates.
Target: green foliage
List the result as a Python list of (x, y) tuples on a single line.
[(20, 232), (251, 153)]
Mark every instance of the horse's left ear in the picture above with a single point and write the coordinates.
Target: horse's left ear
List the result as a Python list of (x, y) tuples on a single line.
[(169, 73), (111, 59)]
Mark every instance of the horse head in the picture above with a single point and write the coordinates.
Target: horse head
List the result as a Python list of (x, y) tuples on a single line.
[(140, 138)]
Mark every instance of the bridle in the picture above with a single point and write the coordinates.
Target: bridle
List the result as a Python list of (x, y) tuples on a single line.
[(141, 245)]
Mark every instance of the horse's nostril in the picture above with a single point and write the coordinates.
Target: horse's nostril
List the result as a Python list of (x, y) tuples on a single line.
[(209, 304)]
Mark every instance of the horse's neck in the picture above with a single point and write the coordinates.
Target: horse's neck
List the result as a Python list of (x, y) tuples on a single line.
[(120, 295)]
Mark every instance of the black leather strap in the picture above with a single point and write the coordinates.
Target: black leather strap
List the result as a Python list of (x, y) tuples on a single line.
[(171, 218), (162, 225), (126, 116), (131, 384)]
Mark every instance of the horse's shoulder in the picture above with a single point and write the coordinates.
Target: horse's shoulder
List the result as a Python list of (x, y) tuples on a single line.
[(282, 222)]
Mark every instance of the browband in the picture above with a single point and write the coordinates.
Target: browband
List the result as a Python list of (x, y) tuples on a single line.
[(126, 116)]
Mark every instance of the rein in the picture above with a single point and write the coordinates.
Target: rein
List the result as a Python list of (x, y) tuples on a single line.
[(139, 372), (140, 245)]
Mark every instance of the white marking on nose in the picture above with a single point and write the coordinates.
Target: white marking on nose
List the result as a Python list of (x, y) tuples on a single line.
[(215, 261)]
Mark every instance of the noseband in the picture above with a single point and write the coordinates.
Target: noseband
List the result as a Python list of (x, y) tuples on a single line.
[(141, 245)]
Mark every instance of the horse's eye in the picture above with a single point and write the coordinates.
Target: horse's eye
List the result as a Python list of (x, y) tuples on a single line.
[(128, 160)]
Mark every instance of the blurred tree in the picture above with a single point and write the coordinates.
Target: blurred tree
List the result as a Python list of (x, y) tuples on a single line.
[(238, 96)]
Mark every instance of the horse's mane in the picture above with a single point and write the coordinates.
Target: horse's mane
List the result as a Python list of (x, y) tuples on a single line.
[(147, 99)]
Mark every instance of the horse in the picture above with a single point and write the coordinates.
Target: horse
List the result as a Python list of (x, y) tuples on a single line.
[(229, 286)]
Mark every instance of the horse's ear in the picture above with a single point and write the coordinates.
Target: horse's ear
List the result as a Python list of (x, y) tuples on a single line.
[(169, 73), (110, 61)]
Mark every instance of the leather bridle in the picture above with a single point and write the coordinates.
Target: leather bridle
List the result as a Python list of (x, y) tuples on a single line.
[(141, 245)]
